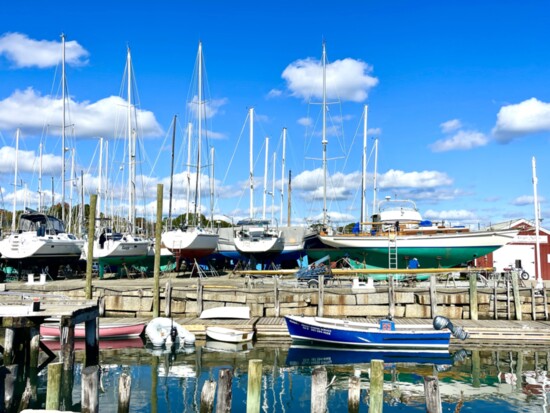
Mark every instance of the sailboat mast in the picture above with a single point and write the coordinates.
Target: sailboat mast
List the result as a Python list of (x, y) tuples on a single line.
[(131, 149), (374, 183), (537, 223), (212, 182), (100, 185), (71, 190), (273, 189), (199, 118), (251, 162), (81, 226), (40, 179), (189, 131), (17, 134), (283, 175), (63, 88), (265, 176), (324, 142), (172, 174), (364, 172)]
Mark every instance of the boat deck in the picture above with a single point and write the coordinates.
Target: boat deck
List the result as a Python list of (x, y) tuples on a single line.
[(481, 331)]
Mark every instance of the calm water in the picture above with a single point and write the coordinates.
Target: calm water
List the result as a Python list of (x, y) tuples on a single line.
[(481, 380)]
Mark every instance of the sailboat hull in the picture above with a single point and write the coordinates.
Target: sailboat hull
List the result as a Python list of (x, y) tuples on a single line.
[(190, 244)]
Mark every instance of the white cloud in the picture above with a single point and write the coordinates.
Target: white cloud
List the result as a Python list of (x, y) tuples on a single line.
[(274, 93), (28, 161), (347, 79), (26, 52), (452, 217), (462, 140), (374, 132), (529, 116), (31, 112), (450, 125), (210, 108), (305, 121), (424, 179), (527, 200)]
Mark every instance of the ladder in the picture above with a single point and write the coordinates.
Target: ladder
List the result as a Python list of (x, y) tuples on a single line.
[(392, 251)]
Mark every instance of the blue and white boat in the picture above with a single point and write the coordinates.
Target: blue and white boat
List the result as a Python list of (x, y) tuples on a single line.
[(386, 334)]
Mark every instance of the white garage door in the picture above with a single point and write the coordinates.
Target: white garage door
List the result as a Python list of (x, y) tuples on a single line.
[(508, 254)]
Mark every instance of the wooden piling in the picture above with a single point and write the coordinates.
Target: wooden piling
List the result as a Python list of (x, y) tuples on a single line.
[(533, 304), (224, 395), (391, 297), (67, 347), (473, 296), (53, 391), (27, 395), (515, 291), (254, 386), (276, 296), (376, 393), (34, 347), (10, 377), (433, 294), (320, 305), (476, 369), (199, 296), (90, 390), (158, 233), (354, 394), (319, 383), (92, 342), (207, 396), (495, 300), (90, 250), (9, 343), (124, 389), (433, 398), (168, 299)]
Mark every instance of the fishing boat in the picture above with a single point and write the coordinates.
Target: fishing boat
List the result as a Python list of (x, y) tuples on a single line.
[(191, 242), (226, 312), (398, 234), (386, 334), (229, 335), (163, 331), (51, 331)]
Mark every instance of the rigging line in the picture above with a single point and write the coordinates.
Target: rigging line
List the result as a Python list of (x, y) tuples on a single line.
[(166, 135)]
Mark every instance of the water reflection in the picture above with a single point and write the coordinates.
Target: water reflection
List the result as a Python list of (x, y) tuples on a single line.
[(479, 379)]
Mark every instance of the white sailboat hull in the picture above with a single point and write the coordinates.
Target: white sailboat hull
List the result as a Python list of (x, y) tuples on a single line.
[(28, 245), (193, 243)]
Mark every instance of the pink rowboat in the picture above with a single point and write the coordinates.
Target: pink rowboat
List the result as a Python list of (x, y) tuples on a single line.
[(50, 331)]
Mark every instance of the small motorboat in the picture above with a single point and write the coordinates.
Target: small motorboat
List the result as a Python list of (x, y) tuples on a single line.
[(229, 335), (51, 331), (386, 334), (227, 312), (165, 331)]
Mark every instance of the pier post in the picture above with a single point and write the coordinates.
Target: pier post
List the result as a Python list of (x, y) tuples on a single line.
[(473, 296), (225, 378), (55, 371), (199, 296), (124, 389), (9, 344), (90, 250), (476, 369), (354, 394), (376, 393), (533, 304), (433, 295), (10, 378), (168, 299), (544, 301), (515, 292), (92, 342), (276, 296), (90, 390), (320, 305), (433, 398), (34, 347), (254, 386), (519, 371), (158, 233), (319, 390), (495, 300), (391, 297), (67, 346), (207, 396)]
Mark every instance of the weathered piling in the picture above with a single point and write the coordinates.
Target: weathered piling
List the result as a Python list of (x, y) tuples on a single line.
[(320, 306), (515, 291), (199, 296), (158, 233), (224, 396), (276, 296), (391, 297), (319, 390), (9, 343), (207, 396), (53, 391), (433, 295), (168, 299), (354, 393), (473, 297), (376, 393), (90, 389), (124, 389), (433, 398), (476, 369), (90, 250), (254, 386)]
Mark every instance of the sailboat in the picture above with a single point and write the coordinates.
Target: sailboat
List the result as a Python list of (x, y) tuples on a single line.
[(116, 248), (256, 238), (193, 241), (41, 242), (397, 232)]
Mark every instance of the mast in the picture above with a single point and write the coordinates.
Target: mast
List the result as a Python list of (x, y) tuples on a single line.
[(189, 130), (324, 142), (283, 175), (364, 172), (71, 191), (131, 149), (212, 188), (265, 176), (81, 202), (40, 179), (289, 197), (251, 159), (17, 134), (273, 190), (374, 184), (537, 224), (172, 175), (100, 184), (199, 118), (63, 88)]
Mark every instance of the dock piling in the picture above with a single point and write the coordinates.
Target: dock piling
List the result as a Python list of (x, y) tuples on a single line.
[(224, 396), (319, 390), (207, 396), (433, 398), (473, 297), (124, 389), (254, 386), (55, 371), (156, 266), (354, 393), (90, 389)]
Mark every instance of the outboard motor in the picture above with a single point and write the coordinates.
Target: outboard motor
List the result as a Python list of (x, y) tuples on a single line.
[(441, 322)]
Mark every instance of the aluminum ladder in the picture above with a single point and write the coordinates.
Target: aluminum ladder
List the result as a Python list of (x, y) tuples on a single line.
[(392, 250)]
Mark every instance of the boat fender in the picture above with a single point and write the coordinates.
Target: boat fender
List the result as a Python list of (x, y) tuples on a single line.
[(441, 322)]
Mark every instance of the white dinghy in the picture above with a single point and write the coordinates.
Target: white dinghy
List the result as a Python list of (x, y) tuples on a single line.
[(229, 335), (158, 331), (227, 312)]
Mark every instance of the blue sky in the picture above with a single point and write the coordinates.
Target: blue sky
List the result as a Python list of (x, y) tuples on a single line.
[(458, 96)]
